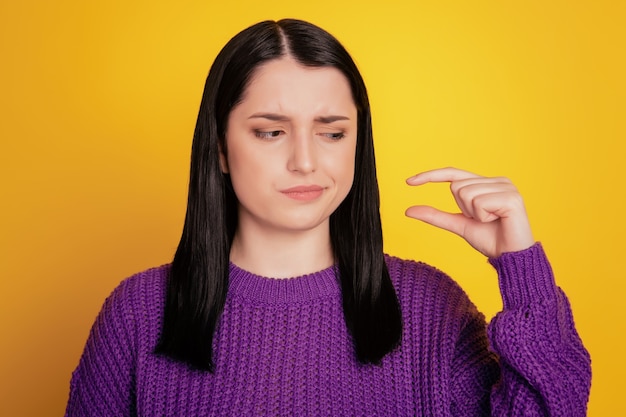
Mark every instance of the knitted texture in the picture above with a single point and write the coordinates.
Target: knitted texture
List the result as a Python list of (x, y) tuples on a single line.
[(282, 348)]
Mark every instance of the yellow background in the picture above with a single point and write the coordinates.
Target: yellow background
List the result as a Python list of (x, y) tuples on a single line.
[(99, 100)]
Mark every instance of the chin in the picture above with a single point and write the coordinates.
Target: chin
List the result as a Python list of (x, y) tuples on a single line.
[(302, 224)]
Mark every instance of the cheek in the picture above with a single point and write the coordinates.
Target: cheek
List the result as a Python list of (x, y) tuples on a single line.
[(348, 179), (251, 174), (344, 171)]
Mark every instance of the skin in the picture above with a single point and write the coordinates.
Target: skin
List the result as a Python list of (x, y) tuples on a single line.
[(493, 218), (296, 127)]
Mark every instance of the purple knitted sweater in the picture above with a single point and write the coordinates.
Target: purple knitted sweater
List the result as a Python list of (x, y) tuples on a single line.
[(282, 348)]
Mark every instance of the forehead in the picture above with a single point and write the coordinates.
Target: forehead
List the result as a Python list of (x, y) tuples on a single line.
[(284, 84)]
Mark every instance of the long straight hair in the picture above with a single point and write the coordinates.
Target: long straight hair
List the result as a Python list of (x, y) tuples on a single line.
[(199, 276)]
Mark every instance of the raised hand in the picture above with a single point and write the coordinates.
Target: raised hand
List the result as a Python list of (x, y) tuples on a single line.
[(493, 217)]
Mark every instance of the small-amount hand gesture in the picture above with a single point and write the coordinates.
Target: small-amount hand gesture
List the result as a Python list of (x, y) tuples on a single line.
[(493, 218)]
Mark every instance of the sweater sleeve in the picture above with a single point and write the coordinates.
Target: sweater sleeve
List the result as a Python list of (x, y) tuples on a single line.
[(103, 382), (545, 369)]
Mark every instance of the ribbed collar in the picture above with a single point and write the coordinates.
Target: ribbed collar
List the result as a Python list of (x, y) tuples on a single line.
[(321, 284)]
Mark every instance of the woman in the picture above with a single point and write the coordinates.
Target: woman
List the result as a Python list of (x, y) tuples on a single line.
[(283, 185)]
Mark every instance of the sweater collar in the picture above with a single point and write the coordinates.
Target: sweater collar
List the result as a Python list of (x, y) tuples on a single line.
[(321, 284)]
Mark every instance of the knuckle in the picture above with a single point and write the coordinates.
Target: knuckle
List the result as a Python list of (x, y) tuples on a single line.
[(462, 192)]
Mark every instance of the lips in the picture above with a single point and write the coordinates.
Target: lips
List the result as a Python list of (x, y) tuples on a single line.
[(303, 192)]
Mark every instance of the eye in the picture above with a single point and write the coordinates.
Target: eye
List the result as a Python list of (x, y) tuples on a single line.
[(267, 135), (335, 135)]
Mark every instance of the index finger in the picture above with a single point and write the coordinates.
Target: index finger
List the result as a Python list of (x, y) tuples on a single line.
[(448, 174)]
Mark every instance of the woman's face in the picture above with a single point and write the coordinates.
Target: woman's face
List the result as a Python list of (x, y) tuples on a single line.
[(290, 147)]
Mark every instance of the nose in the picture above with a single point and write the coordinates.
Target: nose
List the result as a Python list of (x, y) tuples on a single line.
[(302, 156)]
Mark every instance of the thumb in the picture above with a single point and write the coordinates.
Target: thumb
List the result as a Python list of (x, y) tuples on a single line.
[(454, 223)]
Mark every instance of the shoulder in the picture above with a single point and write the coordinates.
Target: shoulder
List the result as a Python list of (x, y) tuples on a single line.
[(141, 293), (125, 328), (424, 289), (409, 273), (133, 308), (145, 283)]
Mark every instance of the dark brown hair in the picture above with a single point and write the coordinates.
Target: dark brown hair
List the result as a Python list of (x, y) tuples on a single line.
[(198, 280)]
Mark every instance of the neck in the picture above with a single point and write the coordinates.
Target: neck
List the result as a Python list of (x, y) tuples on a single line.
[(282, 254)]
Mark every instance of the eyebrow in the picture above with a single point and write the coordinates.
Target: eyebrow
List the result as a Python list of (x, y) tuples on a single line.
[(275, 117)]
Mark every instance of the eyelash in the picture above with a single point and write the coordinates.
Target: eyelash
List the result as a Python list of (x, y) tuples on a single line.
[(335, 136), (267, 135)]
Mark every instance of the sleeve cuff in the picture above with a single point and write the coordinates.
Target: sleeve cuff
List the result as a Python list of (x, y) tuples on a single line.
[(525, 277)]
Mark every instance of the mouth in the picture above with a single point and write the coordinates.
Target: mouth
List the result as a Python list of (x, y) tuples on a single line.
[(303, 192)]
